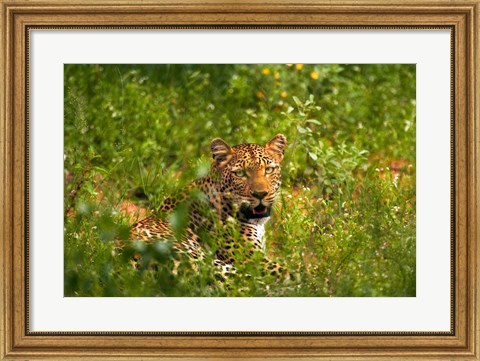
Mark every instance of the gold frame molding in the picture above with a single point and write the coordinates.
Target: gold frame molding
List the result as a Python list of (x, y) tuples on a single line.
[(18, 17)]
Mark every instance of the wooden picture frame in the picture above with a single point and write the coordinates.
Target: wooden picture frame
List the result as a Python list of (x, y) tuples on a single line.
[(18, 342)]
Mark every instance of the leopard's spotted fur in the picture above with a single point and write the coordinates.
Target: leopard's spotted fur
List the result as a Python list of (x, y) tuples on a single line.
[(241, 187)]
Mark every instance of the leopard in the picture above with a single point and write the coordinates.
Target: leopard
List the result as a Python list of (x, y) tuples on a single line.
[(240, 188)]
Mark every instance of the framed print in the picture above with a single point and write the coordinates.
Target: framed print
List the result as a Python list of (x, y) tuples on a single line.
[(202, 180)]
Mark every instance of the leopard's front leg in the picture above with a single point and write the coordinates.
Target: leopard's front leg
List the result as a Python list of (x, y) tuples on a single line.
[(247, 252)]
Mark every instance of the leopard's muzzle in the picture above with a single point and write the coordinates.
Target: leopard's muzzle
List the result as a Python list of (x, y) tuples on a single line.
[(260, 211)]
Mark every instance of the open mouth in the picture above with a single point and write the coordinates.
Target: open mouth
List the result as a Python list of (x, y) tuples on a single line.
[(259, 211)]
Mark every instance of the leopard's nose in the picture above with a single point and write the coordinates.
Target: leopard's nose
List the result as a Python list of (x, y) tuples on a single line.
[(258, 195)]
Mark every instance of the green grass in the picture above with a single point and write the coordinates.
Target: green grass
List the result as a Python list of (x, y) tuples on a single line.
[(344, 224)]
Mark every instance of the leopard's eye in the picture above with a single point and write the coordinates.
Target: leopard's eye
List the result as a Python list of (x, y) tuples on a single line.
[(240, 173), (269, 170)]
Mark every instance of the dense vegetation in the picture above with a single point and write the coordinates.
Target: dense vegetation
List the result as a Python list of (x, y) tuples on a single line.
[(345, 223)]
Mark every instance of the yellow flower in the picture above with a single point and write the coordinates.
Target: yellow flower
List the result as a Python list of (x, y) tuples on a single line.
[(276, 75), (284, 94), (289, 65), (314, 75), (260, 94), (299, 66), (265, 71)]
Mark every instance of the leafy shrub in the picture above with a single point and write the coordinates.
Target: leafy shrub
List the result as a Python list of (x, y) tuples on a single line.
[(344, 225)]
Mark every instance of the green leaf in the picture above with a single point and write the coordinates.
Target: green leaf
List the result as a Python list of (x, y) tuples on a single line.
[(297, 101), (313, 155), (335, 163), (301, 129), (100, 169)]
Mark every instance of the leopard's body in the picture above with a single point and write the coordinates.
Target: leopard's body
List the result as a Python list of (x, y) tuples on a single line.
[(242, 185)]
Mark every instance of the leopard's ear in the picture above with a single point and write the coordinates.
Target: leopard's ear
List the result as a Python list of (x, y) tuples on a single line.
[(221, 152), (276, 146)]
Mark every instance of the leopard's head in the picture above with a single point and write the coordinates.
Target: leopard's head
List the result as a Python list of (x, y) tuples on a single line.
[(249, 174)]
